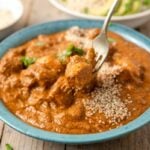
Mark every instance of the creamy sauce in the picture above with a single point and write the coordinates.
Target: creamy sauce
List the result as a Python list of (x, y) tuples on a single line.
[(65, 96)]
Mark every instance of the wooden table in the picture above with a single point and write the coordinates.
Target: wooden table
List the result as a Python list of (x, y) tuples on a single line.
[(37, 11)]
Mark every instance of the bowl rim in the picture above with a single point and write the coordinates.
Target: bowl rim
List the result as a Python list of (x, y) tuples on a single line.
[(61, 7), (19, 3), (30, 32)]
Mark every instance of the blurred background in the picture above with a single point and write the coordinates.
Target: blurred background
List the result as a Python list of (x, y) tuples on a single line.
[(15, 15)]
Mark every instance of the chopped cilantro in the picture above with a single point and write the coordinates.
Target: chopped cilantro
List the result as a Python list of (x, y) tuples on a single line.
[(27, 61), (71, 50), (9, 147), (76, 50)]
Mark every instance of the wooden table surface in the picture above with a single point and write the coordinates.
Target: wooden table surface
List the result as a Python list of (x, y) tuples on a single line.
[(37, 11)]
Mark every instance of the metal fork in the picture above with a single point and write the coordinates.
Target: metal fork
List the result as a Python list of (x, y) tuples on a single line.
[(100, 43)]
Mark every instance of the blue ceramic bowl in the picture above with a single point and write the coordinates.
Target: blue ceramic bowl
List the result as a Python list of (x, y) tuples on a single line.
[(51, 27)]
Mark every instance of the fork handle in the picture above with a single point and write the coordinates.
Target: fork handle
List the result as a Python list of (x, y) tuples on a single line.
[(108, 17)]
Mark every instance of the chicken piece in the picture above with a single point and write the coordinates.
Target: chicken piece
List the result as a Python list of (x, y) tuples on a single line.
[(8, 87), (76, 111), (132, 71), (92, 33), (79, 73), (50, 62), (90, 56), (38, 74), (45, 72), (11, 62), (49, 69), (61, 92), (37, 96), (10, 65), (27, 78)]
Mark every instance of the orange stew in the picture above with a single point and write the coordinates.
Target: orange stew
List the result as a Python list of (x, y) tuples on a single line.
[(49, 82)]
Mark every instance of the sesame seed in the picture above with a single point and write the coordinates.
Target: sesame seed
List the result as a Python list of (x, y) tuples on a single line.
[(106, 98)]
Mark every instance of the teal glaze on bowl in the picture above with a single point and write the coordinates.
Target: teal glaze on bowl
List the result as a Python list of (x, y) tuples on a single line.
[(51, 27)]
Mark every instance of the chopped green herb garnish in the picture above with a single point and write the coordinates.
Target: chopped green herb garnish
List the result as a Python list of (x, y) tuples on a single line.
[(111, 40), (78, 51), (9, 147), (68, 53), (39, 43), (71, 50), (86, 10), (27, 61)]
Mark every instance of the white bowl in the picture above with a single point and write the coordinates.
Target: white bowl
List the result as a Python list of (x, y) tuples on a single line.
[(16, 8), (134, 20)]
